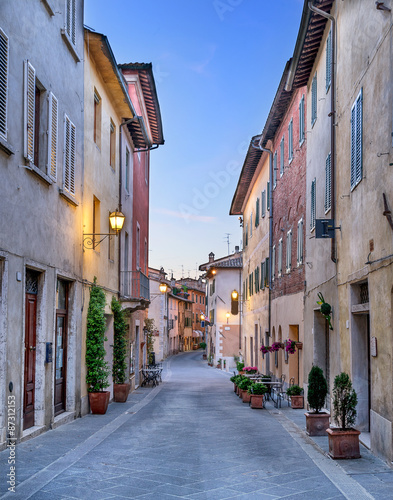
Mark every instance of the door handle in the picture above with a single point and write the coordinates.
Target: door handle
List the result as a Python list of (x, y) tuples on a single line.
[(32, 348)]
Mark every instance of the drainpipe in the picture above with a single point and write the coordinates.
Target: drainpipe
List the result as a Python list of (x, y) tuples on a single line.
[(332, 115), (121, 187), (259, 146)]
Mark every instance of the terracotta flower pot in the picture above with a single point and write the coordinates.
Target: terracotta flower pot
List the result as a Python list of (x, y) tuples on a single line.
[(120, 392), (99, 402), (256, 400), (297, 402), (234, 387), (317, 423), (246, 397), (343, 443), (240, 393)]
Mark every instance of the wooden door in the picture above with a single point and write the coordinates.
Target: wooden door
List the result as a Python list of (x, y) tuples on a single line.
[(30, 349)]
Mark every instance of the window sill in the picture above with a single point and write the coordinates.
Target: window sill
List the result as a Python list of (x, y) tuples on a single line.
[(70, 45), (39, 173), (68, 197), (328, 210), (6, 147)]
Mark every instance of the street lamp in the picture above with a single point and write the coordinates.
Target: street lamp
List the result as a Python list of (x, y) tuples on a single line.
[(163, 287), (116, 220), (228, 315)]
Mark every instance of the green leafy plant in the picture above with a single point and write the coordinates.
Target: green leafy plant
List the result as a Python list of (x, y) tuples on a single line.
[(317, 389), (239, 366), (294, 390), (202, 345), (257, 388), (96, 366), (344, 401), (149, 329), (244, 383), (119, 366), (326, 309)]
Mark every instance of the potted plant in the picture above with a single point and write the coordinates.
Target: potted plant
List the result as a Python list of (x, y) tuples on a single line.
[(296, 394), (244, 385), (202, 345), (250, 369), (238, 379), (219, 363), (121, 388), (239, 367), (344, 440), (97, 369), (257, 391), (316, 421), (210, 360)]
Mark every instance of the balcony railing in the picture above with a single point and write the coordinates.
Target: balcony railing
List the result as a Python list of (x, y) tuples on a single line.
[(135, 285)]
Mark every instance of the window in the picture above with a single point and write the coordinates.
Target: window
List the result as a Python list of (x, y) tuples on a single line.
[(4, 53), (71, 20), (282, 157), (263, 203), (290, 141), (69, 156), (268, 196), (112, 145), (299, 257), (301, 121), (127, 179), (256, 279), (273, 262), (279, 266), (314, 100), (356, 141), (97, 119), (289, 251), (313, 204), (257, 213), (329, 60), (275, 170), (328, 183)]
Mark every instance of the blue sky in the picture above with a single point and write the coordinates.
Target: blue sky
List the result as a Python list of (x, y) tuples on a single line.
[(217, 65)]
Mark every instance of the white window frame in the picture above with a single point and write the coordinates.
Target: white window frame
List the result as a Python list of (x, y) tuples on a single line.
[(313, 205), (289, 251), (299, 258), (279, 264), (4, 63), (357, 141), (328, 183), (69, 156)]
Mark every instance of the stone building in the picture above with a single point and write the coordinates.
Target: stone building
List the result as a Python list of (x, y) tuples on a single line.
[(41, 162)]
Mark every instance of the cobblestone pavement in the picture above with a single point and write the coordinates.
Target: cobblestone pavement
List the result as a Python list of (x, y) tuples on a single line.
[(190, 437)]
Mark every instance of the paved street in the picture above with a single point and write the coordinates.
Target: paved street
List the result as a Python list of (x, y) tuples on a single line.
[(190, 437)]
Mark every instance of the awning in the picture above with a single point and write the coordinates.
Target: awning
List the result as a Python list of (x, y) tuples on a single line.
[(197, 333)]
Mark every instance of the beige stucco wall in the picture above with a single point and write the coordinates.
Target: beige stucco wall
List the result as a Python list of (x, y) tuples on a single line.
[(255, 317)]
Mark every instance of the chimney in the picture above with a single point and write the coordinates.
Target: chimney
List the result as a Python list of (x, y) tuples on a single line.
[(211, 257), (236, 249)]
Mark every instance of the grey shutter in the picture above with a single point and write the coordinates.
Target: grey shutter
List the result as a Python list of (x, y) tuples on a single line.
[(263, 203), (328, 184), (52, 136), (29, 111), (328, 60), (356, 140), (4, 54), (69, 156), (313, 204)]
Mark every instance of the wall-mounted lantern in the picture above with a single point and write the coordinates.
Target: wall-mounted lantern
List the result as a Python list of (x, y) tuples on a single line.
[(116, 220)]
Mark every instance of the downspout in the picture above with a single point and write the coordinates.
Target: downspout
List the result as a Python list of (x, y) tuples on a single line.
[(121, 189), (332, 119), (270, 226)]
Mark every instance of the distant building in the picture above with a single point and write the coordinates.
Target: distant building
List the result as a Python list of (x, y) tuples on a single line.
[(197, 294), (224, 330)]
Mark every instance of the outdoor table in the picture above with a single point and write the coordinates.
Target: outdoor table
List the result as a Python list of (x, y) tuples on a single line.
[(151, 375), (277, 402)]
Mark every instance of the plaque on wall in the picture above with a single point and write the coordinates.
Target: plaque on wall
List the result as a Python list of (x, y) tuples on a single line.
[(373, 346)]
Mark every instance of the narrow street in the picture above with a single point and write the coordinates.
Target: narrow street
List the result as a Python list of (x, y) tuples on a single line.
[(190, 437)]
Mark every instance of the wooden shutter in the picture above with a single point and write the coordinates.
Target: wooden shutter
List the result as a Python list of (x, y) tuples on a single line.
[(314, 99), (29, 111), (263, 271), (71, 20), (263, 203), (52, 136), (328, 60), (328, 183), (356, 140), (313, 204), (69, 156), (4, 54), (257, 213)]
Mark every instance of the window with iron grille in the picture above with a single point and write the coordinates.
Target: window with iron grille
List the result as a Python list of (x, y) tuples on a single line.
[(357, 140)]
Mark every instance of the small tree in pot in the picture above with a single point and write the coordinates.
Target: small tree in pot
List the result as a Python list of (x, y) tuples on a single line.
[(257, 391), (297, 399), (316, 422), (121, 388), (344, 440), (97, 369)]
